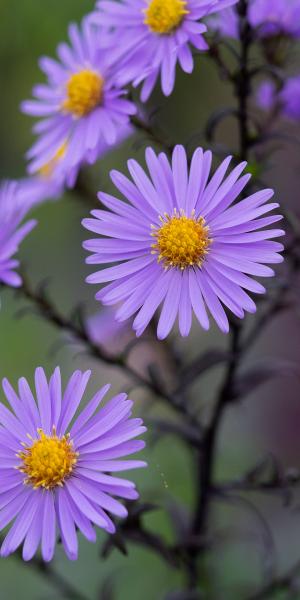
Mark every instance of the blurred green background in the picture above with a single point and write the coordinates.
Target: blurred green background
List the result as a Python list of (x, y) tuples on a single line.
[(29, 29)]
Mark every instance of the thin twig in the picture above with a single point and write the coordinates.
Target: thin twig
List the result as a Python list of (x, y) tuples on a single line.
[(152, 134), (215, 54), (280, 584), (50, 313), (281, 486), (244, 78), (206, 457)]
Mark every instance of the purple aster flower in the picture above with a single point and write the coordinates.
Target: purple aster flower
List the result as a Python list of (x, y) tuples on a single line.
[(287, 99), (81, 105), (151, 36), (54, 468), (180, 243), (268, 17), (12, 213)]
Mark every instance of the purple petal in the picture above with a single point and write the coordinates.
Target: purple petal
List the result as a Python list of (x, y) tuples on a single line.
[(89, 410), (67, 525), (48, 527), (71, 401)]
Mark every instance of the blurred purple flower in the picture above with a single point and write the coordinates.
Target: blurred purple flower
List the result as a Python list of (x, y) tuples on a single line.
[(276, 17), (151, 36), (81, 107), (65, 474), (228, 25), (104, 329), (12, 212), (269, 17), (53, 178), (266, 95), (179, 243), (287, 99), (37, 189)]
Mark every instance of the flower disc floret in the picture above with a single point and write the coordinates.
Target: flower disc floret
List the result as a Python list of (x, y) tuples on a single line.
[(163, 16), (84, 93), (181, 241), (48, 461)]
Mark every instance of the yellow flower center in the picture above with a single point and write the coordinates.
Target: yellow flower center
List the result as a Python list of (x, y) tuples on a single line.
[(181, 241), (84, 93), (47, 170), (48, 461), (163, 16)]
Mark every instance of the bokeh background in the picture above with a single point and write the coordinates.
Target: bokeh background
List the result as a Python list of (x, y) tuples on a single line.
[(267, 421)]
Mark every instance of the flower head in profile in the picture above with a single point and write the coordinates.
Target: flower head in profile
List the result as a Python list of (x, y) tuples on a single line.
[(180, 241), (80, 107), (51, 180), (57, 470), (268, 17), (48, 183), (151, 36), (37, 190), (12, 232), (286, 100)]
